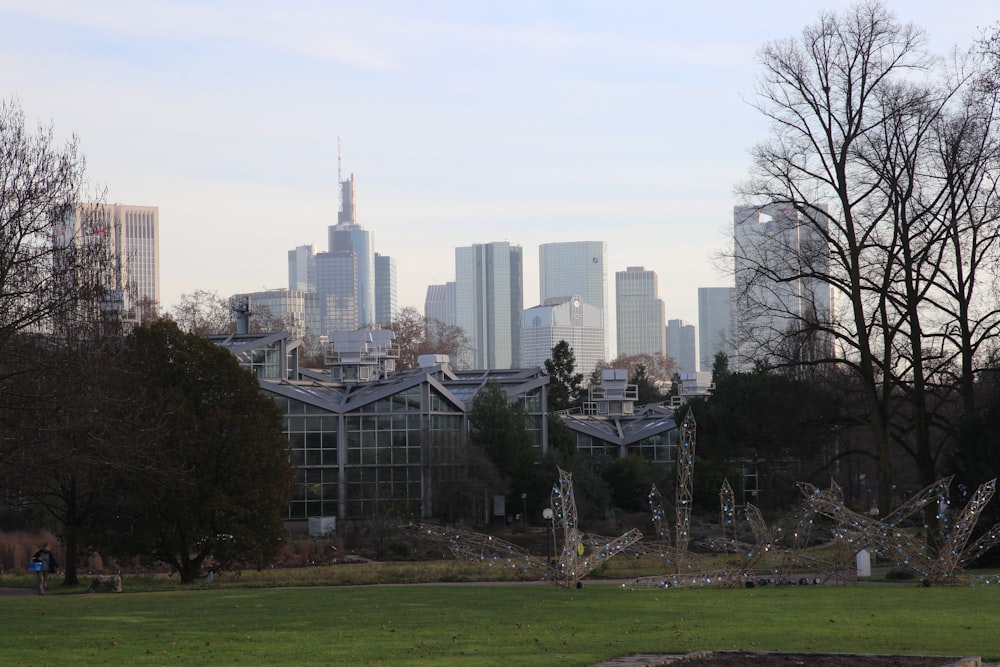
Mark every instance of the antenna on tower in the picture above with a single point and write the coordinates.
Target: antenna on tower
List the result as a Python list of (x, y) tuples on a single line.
[(340, 183)]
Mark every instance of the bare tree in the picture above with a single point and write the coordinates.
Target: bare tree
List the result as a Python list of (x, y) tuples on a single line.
[(40, 185), (882, 177), (52, 275), (659, 368), (417, 335), (202, 312)]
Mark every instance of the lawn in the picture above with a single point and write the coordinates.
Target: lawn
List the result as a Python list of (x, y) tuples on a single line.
[(481, 624)]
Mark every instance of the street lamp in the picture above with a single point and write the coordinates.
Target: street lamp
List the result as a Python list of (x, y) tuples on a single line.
[(550, 534)]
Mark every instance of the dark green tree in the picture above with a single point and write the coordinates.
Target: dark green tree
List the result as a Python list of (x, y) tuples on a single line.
[(779, 425), (220, 480), (646, 390), (630, 480), (564, 382), (975, 458), (720, 366), (499, 428)]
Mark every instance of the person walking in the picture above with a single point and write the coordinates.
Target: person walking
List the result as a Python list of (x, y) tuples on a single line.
[(49, 566)]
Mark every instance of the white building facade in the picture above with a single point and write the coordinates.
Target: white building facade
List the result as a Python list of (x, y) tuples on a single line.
[(570, 319), (640, 312), (131, 237), (576, 268)]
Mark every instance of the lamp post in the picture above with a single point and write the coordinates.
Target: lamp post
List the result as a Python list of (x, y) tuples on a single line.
[(550, 534)]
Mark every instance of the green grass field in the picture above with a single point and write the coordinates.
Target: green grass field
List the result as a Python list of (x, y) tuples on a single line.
[(479, 624)]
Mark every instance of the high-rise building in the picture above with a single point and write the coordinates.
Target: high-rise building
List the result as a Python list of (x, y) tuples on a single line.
[(344, 276), (681, 345), (131, 236), (570, 319), (294, 311), (348, 236), (715, 325), (385, 289), (640, 312), (337, 286), (489, 297), (439, 304), (302, 268), (576, 268), (777, 309)]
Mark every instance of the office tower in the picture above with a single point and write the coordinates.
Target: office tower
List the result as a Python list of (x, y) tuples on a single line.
[(715, 325), (681, 345), (337, 287), (359, 242), (576, 268), (439, 304), (131, 237), (489, 293), (344, 275), (777, 310), (385, 290), (566, 318), (302, 268), (640, 313), (294, 311)]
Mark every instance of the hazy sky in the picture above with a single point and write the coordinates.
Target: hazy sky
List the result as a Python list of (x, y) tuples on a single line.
[(463, 122)]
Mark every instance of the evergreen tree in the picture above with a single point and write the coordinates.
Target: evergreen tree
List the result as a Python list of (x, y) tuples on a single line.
[(646, 389), (564, 384), (499, 427)]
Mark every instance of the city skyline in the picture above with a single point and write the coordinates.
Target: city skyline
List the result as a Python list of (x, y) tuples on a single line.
[(465, 124)]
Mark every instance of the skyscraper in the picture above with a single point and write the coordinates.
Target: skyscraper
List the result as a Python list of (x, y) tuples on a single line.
[(131, 236), (439, 304), (348, 236), (563, 318), (337, 286), (385, 289), (489, 297), (576, 268), (302, 268), (295, 311), (778, 309), (344, 276), (640, 312), (715, 325), (681, 345)]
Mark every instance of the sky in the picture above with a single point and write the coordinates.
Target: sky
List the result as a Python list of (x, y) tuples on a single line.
[(526, 121)]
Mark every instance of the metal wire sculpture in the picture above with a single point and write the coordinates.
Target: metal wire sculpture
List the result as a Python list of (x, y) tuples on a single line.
[(581, 552), (889, 539), (727, 511), (685, 472)]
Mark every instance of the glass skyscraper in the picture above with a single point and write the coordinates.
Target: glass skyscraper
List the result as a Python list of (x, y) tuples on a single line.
[(489, 298), (715, 325), (576, 268), (640, 313)]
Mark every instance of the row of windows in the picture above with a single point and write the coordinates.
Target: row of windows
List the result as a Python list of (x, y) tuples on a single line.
[(383, 422), (657, 449), (314, 493), (326, 425)]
